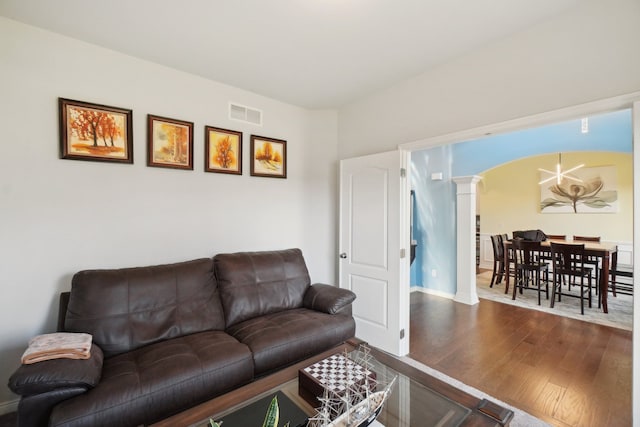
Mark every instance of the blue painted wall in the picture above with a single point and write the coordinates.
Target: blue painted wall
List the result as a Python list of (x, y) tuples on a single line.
[(435, 206), (435, 201)]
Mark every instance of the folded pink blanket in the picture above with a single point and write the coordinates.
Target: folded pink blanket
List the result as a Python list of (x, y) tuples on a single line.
[(58, 345)]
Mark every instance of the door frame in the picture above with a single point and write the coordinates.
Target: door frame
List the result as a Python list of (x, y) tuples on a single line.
[(405, 239), (635, 362), (626, 101)]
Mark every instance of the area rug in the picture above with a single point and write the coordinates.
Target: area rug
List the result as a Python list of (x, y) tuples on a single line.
[(620, 308), (520, 418)]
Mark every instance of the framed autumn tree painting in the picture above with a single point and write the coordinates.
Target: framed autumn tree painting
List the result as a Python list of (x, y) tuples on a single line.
[(169, 143), (268, 157), (223, 150), (95, 132)]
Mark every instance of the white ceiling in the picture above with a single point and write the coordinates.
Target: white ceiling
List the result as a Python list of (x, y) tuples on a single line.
[(311, 53)]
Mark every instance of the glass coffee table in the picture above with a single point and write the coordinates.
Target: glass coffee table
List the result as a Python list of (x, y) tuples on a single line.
[(413, 402)]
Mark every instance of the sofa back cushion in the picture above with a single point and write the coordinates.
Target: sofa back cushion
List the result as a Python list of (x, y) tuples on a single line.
[(256, 283), (132, 307)]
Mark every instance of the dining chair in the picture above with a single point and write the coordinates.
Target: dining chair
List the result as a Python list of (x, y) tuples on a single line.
[(591, 260), (621, 280), (529, 268), (587, 239), (568, 262), (498, 259), (511, 267), (546, 256)]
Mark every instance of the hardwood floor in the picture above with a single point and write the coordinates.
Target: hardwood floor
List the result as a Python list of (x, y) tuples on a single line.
[(564, 371)]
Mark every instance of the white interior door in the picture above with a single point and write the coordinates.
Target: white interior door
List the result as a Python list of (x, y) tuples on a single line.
[(374, 248)]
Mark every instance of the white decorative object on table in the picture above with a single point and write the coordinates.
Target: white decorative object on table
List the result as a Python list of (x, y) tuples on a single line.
[(350, 397)]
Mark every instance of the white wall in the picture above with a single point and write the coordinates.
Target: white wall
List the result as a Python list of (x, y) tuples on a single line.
[(60, 216), (585, 54)]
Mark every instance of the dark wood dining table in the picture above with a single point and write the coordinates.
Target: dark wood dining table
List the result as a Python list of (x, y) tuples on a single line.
[(606, 252)]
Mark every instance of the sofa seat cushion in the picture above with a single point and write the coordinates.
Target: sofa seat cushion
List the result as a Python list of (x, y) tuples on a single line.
[(159, 380), (279, 339)]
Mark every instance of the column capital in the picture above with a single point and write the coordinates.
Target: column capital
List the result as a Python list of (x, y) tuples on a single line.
[(466, 184), (469, 179)]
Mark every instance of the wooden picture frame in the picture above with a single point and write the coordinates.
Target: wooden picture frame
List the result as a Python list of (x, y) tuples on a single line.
[(95, 132), (169, 143), (222, 150), (268, 157)]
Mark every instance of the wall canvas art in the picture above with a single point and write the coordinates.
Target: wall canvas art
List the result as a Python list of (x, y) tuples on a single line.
[(596, 192), (223, 150), (95, 132), (268, 157), (170, 143)]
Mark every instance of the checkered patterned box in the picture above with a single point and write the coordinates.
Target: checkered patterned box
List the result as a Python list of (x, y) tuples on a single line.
[(331, 373)]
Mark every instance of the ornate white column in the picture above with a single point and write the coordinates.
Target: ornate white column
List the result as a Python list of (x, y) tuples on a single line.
[(466, 239)]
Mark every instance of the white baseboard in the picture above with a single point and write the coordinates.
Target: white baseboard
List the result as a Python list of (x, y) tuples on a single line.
[(9, 406), (432, 292)]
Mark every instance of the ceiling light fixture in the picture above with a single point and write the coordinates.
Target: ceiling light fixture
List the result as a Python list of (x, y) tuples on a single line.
[(559, 175)]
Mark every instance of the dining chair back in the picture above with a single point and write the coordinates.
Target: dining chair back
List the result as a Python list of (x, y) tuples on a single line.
[(568, 266), (587, 238), (591, 260), (529, 268), (498, 259), (546, 256), (556, 237), (504, 238)]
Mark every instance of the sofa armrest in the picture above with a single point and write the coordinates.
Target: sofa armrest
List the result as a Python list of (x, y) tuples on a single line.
[(49, 375), (327, 298), (35, 410), (62, 310)]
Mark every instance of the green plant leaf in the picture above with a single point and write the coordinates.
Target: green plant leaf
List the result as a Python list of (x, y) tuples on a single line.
[(214, 423), (597, 204), (273, 414), (553, 202)]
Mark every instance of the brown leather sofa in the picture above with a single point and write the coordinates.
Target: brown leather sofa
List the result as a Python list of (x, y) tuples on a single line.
[(168, 337)]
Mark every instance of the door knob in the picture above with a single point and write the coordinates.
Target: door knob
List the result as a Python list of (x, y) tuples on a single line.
[(343, 255)]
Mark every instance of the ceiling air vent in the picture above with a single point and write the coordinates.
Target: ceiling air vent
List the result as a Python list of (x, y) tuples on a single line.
[(245, 114)]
